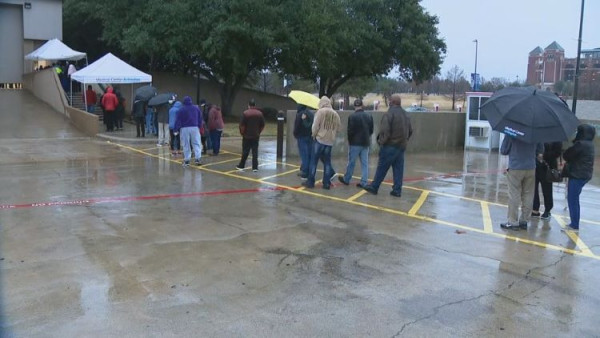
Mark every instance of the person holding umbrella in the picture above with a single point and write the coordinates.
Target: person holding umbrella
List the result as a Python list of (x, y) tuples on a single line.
[(579, 168), (520, 175)]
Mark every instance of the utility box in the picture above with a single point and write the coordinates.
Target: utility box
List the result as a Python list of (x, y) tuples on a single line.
[(479, 135)]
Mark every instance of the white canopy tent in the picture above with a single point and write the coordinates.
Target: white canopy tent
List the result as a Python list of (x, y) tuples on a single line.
[(110, 69), (55, 50)]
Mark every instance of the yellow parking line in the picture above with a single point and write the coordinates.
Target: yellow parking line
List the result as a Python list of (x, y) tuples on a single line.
[(281, 174), (221, 162), (574, 237), (586, 253), (419, 203), (357, 195), (487, 219)]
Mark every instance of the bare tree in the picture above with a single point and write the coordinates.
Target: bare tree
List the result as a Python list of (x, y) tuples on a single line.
[(453, 76)]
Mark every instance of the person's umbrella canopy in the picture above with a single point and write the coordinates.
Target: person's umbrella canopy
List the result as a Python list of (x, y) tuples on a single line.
[(530, 115), (305, 98), (145, 93), (161, 99)]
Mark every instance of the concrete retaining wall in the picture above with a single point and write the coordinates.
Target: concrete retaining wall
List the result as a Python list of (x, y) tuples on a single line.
[(431, 131), (45, 85)]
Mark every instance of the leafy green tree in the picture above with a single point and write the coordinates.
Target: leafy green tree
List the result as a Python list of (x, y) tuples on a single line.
[(333, 41)]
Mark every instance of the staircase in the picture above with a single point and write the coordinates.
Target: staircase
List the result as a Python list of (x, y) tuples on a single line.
[(79, 103)]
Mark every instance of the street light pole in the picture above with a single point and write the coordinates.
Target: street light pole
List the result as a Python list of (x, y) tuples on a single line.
[(475, 88), (577, 64)]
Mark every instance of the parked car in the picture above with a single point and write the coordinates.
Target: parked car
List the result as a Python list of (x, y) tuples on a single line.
[(417, 109)]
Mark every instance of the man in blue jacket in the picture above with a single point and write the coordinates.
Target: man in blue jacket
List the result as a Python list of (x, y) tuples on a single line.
[(188, 124)]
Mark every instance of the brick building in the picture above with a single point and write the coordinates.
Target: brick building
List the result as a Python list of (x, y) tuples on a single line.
[(548, 66)]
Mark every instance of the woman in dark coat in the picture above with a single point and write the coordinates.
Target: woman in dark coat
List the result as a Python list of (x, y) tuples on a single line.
[(552, 152), (579, 169)]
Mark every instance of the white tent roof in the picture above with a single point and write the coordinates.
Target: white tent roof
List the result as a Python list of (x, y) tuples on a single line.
[(55, 50), (110, 69)]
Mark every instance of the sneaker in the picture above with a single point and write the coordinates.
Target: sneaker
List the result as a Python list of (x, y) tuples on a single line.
[(254, 170), (197, 163), (341, 179), (535, 214), (508, 226), (523, 225), (360, 185), (395, 193), (173, 153), (569, 228), (186, 163), (546, 215), (305, 184), (239, 168), (370, 189), (159, 145)]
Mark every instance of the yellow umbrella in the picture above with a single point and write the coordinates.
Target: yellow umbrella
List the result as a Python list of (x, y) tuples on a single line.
[(305, 98)]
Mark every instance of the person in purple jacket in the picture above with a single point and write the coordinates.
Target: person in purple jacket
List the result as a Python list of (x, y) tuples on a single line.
[(188, 124)]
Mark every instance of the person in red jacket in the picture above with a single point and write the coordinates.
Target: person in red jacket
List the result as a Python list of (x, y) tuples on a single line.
[(90, 99), (109, 102)]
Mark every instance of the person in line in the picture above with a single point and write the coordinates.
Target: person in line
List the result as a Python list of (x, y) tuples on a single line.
[(579, 168), (119, 111), (251, 126), (90, 99), (552, 152), (162, 118), (324, 130), (215, 128), (150, 121), (395, 130), (188, 125), (302, 133), (360, 129), (520, 175), (109, 103), (175, 140), (139, 115), (206, 141)]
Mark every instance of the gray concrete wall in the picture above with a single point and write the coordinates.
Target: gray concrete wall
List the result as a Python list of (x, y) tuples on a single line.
[(431, 131), (45, 86), (186, 86)]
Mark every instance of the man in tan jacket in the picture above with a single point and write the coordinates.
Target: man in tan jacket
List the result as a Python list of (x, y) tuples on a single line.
[(324, 130)]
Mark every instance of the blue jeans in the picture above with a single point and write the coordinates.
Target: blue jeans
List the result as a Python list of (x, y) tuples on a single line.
[(574, 187), (91, 108), (363, 154), (150, 122), (215, 137), (390, 156), (320, 152), (305, 151)]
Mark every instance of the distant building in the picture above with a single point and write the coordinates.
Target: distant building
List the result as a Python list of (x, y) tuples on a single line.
[(548, 66), (24, 26)]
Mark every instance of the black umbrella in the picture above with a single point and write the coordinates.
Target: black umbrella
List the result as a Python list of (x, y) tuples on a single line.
[(530, 115), (160, 99), (145, 93)]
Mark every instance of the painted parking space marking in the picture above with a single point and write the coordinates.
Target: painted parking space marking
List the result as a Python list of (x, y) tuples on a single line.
[(280, 174), (487, 218), (357, 195), (574, 237), (419, 203), (486, 231)]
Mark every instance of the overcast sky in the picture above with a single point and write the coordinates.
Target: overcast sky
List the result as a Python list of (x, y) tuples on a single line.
[(507, 30)]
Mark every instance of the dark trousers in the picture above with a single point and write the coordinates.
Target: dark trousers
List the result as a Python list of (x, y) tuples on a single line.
[(540, 179), (109, 120), (140, 126), (215, 138), (247, 145), (175, 141)]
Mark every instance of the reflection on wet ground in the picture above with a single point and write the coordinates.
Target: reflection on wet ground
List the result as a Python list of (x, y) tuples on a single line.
[(104, 238)]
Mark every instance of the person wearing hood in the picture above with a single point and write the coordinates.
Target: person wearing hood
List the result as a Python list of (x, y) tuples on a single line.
[(302, 133), (395, 130), (175, 142), (188, 125), (324, 130), (578, 168), (215, 128), (109, 104)]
